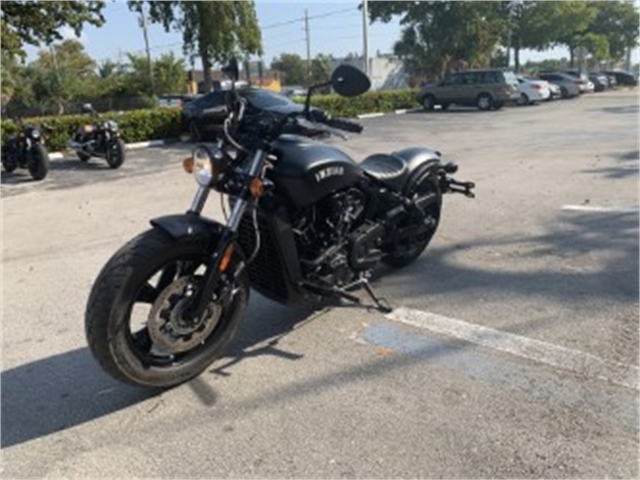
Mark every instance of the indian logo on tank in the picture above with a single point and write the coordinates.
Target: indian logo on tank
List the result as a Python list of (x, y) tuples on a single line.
[(329, 172)]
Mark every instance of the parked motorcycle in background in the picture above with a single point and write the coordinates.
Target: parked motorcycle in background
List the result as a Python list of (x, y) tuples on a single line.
[(306, 223), (99, 139), (25, 149)]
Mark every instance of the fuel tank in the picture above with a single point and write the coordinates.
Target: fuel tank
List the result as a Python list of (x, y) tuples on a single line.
[(307, 171)]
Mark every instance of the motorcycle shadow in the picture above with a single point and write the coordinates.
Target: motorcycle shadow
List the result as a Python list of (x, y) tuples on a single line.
[(66, 390)]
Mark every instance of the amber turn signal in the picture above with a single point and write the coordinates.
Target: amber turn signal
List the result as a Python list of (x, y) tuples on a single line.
[(256, 187), (226, 258), (187, 164)]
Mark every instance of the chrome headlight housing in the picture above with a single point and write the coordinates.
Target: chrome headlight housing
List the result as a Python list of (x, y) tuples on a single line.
[(207, 164), (35, 134)]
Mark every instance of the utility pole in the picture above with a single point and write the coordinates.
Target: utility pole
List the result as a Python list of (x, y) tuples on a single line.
[(306, 29), (146, 44), (365, 35)]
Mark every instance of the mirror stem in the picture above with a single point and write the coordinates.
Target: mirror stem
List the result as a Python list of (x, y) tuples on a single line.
[(307, 103)]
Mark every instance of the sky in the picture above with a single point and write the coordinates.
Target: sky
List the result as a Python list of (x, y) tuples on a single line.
[(334, 28)]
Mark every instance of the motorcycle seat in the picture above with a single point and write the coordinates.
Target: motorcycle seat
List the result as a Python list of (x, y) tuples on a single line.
[(389, 169)]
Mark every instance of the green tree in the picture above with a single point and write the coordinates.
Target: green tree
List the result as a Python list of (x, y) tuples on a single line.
[(212, 30), (292, 68), (36, 22), (170, 74), (433, 36), (63, 74), (619, 23)]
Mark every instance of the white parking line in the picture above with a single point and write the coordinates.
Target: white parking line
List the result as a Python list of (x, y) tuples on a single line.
[(594, 208), (565, 358)]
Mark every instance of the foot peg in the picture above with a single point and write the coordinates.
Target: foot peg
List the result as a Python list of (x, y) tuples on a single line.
[(461, 187)]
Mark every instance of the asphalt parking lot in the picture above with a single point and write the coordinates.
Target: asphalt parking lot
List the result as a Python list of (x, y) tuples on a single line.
[(512, 351)]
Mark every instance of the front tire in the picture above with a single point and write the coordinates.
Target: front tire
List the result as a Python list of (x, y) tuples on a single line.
[(39, 162), (115, 154), (135, 321), (484, 102), (429, 102)]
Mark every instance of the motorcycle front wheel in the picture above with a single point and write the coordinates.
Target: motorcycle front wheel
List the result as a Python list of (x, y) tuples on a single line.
[(136, 322), (115, 154), (38, 162)]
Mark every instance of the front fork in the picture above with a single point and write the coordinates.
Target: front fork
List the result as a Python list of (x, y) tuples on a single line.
[(219, 259)]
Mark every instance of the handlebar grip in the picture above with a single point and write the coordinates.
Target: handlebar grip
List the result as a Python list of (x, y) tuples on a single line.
[(346, 125)]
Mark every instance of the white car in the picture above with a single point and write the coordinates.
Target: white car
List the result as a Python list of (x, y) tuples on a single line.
[(533, 90)]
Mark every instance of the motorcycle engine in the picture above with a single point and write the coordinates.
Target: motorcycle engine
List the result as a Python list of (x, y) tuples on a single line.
[(323, 234)]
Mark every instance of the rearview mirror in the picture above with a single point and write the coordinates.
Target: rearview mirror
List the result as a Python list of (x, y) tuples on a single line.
[(349, 81)]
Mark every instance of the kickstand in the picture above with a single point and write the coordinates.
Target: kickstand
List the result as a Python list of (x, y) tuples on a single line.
[(381, 303)]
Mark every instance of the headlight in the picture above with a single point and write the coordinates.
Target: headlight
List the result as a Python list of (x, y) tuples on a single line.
[(35, 134), (206, 163), (203, 170)]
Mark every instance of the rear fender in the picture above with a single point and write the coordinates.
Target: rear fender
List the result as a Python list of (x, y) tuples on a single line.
[(422, 163)]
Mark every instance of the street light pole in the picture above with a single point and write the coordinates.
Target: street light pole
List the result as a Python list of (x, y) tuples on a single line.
[(365, 35), (146, 43)]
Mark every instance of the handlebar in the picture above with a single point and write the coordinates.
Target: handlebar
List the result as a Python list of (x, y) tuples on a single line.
[(344, 124)]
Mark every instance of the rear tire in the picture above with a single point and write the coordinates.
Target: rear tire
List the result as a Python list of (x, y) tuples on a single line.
[(127, 284), (406, 252), (38, 164)]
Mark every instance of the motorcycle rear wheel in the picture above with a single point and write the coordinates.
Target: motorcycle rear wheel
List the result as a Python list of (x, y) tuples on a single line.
[(407, 251), (133, 321)]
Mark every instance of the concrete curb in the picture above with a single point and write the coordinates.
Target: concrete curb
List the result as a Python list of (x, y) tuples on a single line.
[(401, 111)]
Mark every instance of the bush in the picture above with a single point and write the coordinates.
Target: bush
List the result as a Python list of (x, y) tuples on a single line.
[(135, 126), (370, 102)]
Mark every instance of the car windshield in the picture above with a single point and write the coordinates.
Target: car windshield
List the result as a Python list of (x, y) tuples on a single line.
[(266, 99)]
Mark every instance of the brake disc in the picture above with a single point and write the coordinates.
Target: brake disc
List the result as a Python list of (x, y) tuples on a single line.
[(167, 327)]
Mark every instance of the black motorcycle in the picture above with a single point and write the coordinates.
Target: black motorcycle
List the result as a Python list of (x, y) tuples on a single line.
[(99, 139), (25, 149), (306, 223)]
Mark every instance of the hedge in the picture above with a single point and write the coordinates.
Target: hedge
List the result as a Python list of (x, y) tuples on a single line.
[(370, 102), (163, 123), (135, 126)]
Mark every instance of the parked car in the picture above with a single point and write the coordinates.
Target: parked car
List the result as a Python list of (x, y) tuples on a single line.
[(622, 77), (486, 89), (204, 116), (584, 84), (532, 90), (568, 86), (555, 91), (600, 81)]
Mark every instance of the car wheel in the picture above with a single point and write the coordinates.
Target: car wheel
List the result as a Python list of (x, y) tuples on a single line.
[(429, 102), (484, 101), (194, 131), (523, 100)]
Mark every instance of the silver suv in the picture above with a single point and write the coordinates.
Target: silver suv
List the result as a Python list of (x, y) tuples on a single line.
[(485, 89)]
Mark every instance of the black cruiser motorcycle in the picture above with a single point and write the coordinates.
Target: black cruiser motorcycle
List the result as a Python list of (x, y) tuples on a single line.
[(99, 139), (306, 223), (25, 149)]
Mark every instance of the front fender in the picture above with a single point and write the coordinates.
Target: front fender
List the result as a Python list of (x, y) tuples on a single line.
[(187, 226)]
